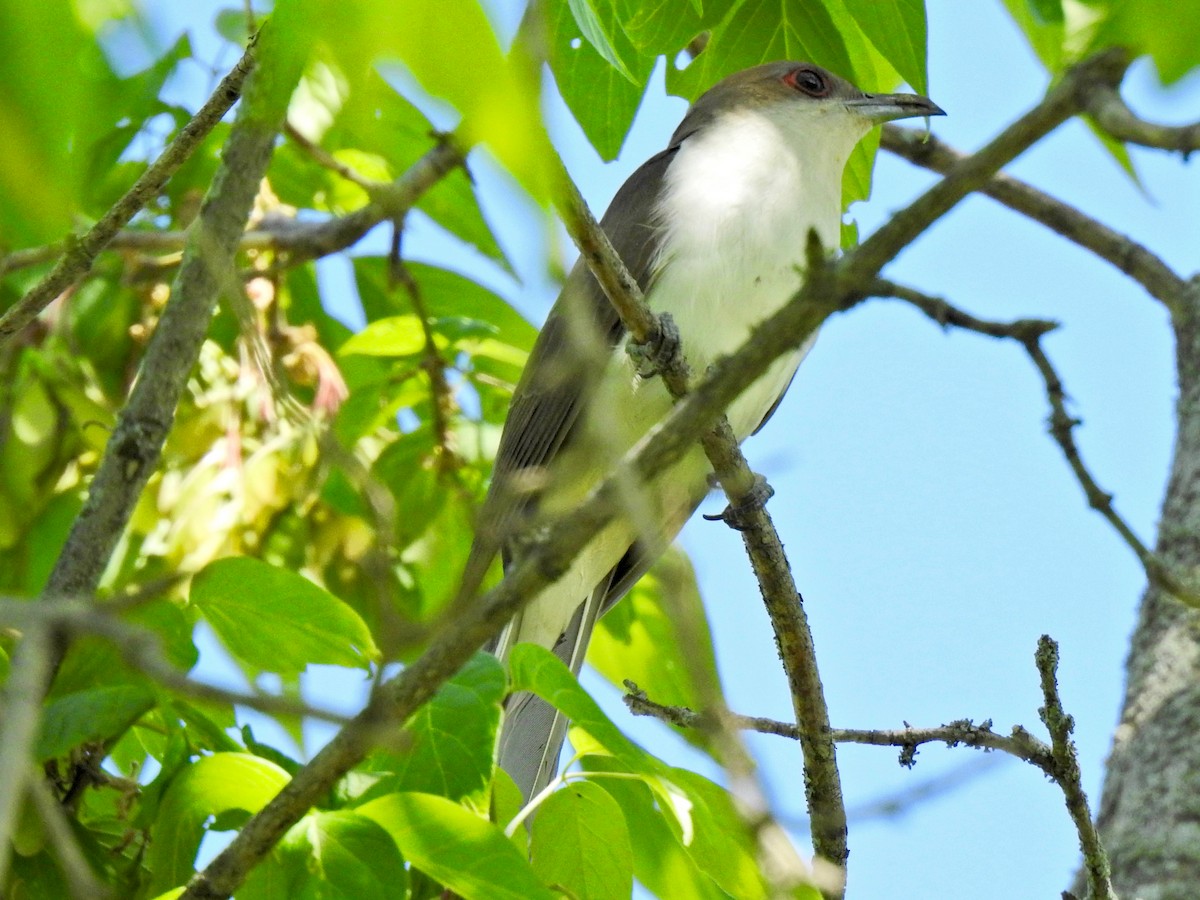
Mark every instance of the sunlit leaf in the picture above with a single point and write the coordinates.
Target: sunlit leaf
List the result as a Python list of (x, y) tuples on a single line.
[(580, 843), (760, 32), (453, 736), (100, 713), (897, 29), (336, 855), (639, 639), (394, 336), (466, 853), (212, 785), (277, 621), (602, 97)]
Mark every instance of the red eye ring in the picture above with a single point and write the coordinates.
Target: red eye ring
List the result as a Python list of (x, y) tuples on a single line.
[(808, 80)]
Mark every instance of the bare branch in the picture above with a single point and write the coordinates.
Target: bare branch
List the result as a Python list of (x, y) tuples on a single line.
[(1114, 116), (1126, 254), (142, 649), (328, 160), (1020, 743), (81, 252), (949, 316), (297, 241), (1066, 772), (442, 405), (1028, 333), (1062, 429)]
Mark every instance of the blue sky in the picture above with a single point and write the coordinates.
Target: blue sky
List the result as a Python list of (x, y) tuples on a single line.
[(933, 526)]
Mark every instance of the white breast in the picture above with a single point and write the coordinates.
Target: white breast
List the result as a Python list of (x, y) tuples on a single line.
[(738, 201)]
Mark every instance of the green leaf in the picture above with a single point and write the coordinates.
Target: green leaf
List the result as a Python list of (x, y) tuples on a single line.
[(446, 294), (212, 785), (1045, 36), (897, 29), (453, 736), (90, 715), (856, 180), (601, 97), (668, 26), (597, 21), (277, 621), (337, 855), (1166, 30), (376, 122), (466, 853), (394, 336), (762, 31), (537, 670), (46, 118), (660, 861), (639, 639), (450, 48), (580, 843), (1046, 11), (408, 467), (722, 846)]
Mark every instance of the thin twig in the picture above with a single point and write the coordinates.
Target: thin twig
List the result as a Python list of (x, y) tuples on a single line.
[(1114, 116), (1028, 333), (1020, 743), (81, 252), (895, 804), (84, 884), (142, 649), (297, 241), (1062, 429), (1119, 250), (1066, 772), (442, 403), (324, 158)]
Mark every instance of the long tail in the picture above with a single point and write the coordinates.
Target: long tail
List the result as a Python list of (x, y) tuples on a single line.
[(533, 732)]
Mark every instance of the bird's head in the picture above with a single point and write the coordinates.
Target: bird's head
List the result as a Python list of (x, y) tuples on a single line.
[(803, 98)]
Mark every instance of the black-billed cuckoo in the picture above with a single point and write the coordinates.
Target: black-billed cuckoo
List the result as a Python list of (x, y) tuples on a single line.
[(714, 229)]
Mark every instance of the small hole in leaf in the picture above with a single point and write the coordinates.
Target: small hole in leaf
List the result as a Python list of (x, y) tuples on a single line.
[(576, 43)]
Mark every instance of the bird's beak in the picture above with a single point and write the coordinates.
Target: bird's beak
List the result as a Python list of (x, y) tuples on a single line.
[(880, 108)]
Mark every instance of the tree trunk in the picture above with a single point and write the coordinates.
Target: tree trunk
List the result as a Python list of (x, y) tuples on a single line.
[(1149, 814)]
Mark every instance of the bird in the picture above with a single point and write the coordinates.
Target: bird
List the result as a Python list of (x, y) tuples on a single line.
[(714, 229)]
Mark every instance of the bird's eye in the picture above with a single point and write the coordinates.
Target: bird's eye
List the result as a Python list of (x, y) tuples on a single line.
[(808, 81)]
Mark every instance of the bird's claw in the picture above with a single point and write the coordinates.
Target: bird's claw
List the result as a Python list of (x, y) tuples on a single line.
[(655, 355), (737, 516)]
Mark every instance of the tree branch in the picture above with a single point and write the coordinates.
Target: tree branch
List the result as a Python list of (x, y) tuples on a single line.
[(1114, 116), (142, 650), (1057, 759), (1126, 254), (1028, 333), (1066, 772), (81, 252), (299, 241)]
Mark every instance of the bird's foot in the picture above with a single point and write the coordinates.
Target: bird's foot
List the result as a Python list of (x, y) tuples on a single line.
[(737, 516), (656, 354)]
